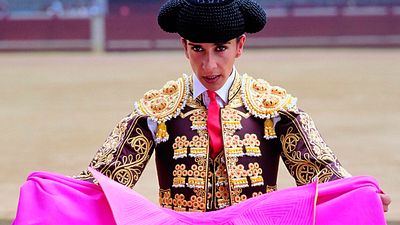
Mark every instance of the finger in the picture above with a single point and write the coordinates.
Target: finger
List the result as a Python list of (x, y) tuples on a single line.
[(386, 199), (385, 208)]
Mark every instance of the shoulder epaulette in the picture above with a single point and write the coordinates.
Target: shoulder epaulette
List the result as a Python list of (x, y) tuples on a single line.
[(265, 101), (164, 104)]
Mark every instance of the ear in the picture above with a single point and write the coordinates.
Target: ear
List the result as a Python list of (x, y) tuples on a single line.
[(185, 47), (240, 46)]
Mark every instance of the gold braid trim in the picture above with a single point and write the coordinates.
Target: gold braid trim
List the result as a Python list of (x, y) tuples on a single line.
[(108, 160), (324, 164), (107, 152), (127, 169)]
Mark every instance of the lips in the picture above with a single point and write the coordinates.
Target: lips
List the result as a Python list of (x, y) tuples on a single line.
[(211, 78)]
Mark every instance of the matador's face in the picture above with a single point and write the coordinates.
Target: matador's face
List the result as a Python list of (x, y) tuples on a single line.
[(213, 62)]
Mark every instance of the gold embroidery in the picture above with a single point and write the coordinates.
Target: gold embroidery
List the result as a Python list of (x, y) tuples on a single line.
[(233, 146), (255, 194), (220, 184), (179, 174), (231, 119), (128, 170), (140, 144), (180, 147), (217, 185), (198, 146), (234, 97), (238, 176), (179, 203), (222, 196), (324, 175), (105, 155), (196, 175), (319, 147), (255, 174), (342, 171), (162, 133), (270, 189), (221, 175), (193, 103), (165, 199), (162, 105), (262, 99), (199, 202), (300, 166), (196, 179), (269, 131), (252, 145), (239, 198), (199, 119), (196, 204)]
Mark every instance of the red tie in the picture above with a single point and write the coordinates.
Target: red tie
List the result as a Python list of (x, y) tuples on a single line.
[(214, 125)]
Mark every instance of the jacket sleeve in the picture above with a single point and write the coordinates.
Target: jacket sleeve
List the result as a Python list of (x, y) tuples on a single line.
[(125, 153), (304, 152)]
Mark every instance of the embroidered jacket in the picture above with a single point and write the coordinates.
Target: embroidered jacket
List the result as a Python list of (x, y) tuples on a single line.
[(260, 123)]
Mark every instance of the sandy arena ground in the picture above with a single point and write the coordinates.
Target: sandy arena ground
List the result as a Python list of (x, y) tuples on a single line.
[(56, 109)]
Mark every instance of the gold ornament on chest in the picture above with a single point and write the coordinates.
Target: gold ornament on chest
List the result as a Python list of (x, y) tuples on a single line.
[(199, 119), (180, 147), (231, 120)]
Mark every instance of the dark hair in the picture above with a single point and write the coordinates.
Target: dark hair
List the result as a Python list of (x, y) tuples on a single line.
[(237, 39)]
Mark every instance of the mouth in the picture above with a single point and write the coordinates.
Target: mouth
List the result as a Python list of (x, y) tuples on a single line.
[(211, 78)]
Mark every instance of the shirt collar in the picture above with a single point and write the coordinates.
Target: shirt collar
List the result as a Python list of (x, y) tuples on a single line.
[(223, 92)]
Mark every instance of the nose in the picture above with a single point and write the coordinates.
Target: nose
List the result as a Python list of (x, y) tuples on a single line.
[(209, 63)]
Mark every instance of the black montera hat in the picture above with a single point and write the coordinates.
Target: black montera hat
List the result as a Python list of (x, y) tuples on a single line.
[(211, 21)]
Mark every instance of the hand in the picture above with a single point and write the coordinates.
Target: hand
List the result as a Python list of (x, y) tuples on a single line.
[(385, 201)]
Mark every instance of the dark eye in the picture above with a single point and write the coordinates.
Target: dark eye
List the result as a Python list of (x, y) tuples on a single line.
[(197, 49), (221, 48)]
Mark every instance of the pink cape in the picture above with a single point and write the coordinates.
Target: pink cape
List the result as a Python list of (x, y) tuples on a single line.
[(48, 198)]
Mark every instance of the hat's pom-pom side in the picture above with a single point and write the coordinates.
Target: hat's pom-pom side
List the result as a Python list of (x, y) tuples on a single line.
[(168, 16), (254, 16)]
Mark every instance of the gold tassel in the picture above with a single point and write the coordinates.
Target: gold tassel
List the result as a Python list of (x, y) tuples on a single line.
[(269, 130), (162, 133)]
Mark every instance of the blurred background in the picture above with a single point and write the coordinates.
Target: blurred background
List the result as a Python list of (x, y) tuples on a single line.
[(71, 69), (117, 25)]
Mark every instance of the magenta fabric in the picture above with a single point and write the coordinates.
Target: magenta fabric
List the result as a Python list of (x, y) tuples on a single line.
[(286, 207), (352, 201), (48, 198)]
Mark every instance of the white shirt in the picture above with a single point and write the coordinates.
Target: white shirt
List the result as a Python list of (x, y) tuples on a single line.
[(199, 89), (222, 93)]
